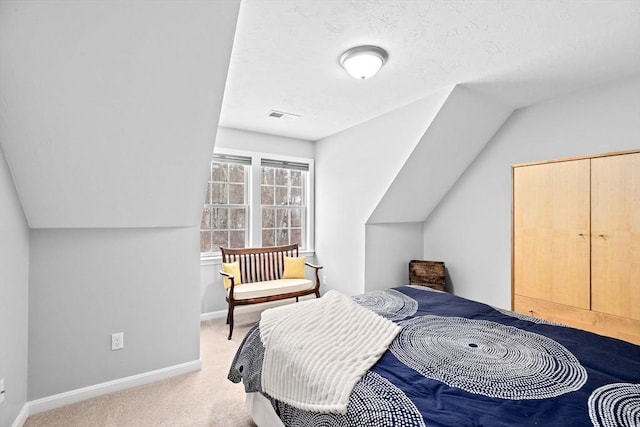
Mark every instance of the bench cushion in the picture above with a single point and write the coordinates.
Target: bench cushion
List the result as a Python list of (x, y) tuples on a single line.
[(271, 287)]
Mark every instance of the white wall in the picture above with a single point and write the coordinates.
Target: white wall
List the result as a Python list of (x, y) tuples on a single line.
[(14, 292), (443, 153), (388, 250), (212, 295), (354, 169), (471, 228), (88, 284), (237, 139), (108, 115)]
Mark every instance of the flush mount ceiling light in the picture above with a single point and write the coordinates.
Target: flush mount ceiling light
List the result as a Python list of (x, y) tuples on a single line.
[(363, 62)]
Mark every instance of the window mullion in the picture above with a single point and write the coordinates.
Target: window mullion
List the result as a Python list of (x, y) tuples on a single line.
[(255, 203)]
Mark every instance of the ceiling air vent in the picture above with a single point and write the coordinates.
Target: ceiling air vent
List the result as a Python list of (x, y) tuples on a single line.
[(282, 115)]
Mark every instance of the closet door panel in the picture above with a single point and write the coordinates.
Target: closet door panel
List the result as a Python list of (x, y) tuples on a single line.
[(615, 211), (551, 232)]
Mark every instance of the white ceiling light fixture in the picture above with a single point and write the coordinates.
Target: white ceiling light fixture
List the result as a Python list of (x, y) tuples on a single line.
[(363, 62)]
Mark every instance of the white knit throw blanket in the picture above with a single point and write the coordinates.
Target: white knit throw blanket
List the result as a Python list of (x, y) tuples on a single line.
[(316, 351)]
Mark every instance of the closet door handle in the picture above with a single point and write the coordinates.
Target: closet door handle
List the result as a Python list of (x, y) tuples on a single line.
[(604, 236)]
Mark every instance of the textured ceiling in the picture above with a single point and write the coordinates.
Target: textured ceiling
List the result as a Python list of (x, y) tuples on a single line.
[(285, 55)]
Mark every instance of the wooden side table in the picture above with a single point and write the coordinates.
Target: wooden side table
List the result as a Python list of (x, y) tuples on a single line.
[(427, 273)]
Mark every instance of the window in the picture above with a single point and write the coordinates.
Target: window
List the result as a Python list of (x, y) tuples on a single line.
[(254, 199), (283, 202), (224, 218)]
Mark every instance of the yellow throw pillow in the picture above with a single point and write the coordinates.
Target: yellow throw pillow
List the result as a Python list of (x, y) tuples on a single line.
[(294, 267), (232, 268)]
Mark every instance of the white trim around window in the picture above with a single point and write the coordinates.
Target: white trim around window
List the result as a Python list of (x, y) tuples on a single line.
[(254, 200)]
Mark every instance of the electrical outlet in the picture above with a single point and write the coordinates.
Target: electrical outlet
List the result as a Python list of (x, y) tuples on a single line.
[(324, 280), (1, 390), (117, 341)]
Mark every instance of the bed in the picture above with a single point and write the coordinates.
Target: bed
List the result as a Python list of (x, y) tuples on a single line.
[(457, 362)]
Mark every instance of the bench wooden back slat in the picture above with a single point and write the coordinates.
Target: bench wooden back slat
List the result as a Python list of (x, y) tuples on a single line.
[(260, 264)]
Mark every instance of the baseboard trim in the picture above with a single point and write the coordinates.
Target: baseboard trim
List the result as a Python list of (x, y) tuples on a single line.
[(250, 309), (22, 417), (80, 394), (213, 315)]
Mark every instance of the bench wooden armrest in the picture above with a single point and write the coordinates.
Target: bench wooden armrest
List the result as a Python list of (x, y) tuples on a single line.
[(317, 267), (228, 275), (316, 270)]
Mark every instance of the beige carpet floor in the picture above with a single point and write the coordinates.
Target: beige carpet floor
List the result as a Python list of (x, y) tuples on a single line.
[(203, 398)]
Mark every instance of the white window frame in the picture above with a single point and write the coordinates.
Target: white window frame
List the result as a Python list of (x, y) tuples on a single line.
[(254, 219)]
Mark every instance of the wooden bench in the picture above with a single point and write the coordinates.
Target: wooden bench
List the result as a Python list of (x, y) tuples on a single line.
[(261, 273)]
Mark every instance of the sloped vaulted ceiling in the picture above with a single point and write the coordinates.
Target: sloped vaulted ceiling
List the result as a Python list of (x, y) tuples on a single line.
[(109, 109), (464, 124)]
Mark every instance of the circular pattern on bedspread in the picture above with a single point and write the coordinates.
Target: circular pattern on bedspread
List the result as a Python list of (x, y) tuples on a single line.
[(389, 303), (488, 358), (373, 402), (615, 405), (247, 365)]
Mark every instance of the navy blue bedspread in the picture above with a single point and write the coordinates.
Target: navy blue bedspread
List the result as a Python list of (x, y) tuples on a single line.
[(458, 362)]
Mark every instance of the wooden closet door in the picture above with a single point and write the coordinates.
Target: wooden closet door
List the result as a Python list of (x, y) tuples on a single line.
[(551, 232), (615, 210)]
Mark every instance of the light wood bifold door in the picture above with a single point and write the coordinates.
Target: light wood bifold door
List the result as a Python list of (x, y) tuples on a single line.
[(551, 232), (615, 244), (576, 242)]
